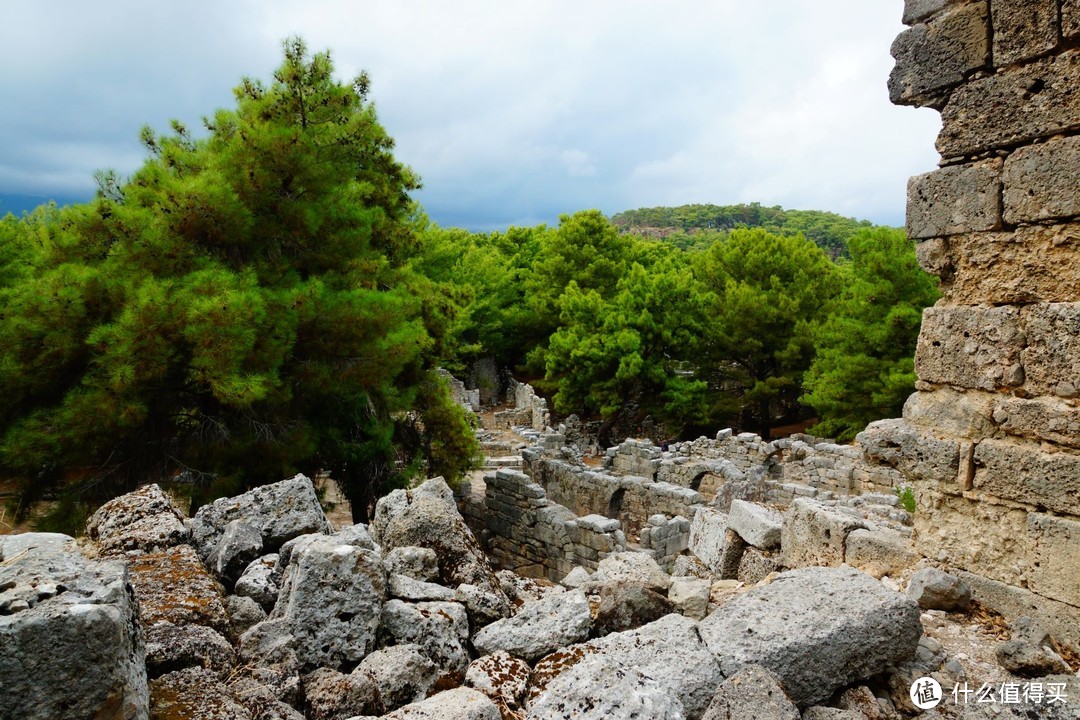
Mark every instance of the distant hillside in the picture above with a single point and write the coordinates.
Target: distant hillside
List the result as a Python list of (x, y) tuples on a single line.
[(827, 229), (18, 204)]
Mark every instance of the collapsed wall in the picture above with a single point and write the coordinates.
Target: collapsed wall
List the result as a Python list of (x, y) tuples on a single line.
[(991, 438)]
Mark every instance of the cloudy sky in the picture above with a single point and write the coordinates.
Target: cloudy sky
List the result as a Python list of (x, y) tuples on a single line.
[(512, 111)]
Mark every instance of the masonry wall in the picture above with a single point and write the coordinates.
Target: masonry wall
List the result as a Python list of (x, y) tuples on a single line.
[(991, 439)]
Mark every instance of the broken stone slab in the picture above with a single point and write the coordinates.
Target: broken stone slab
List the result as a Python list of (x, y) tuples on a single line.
[(539, 627), (174, 647), (73, 645), (758, 525), (756, 565), (407, 588), (637, 568), (441, 629), (885, 549), (239, 544), (936, 589), (599, 687), (708, 533), (458, 704), (174, 586), (244, 613), (625, 605), (193, 693), (483, 607), (1028, 660), (818, 629), (754, 692), (280, 512), (502, 677), (331, 695), (690, 596), (258, 581), (402, 674), (415, 562), (331, 601), (144, 520), (576, 578), (814, 534), (938, 54), (915, 453)]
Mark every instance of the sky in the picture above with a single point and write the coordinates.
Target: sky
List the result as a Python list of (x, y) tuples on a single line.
[(511, 111)]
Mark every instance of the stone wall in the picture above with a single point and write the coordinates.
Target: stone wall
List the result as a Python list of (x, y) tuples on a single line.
[(529, 409), (991, 439)]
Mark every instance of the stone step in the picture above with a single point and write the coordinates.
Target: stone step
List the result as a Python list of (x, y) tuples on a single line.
[(508, 461)]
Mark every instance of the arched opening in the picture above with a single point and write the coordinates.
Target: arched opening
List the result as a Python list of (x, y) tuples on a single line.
[(615, 505)]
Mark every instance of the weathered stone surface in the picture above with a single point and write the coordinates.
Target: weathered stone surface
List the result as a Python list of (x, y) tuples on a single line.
[(971, 347), (1040, 181), (759, 525), (955, 199), (520, 589), (818, 629), (415, 562), (402, 674), (936, 589), (1042, 418), (576, 577), (708, 534), (632, 567), (963, 414), (261, 701), (428, 517), (914, 453), (671, 652), (1056, 549), (1052, 356), (331, 600), (145, 520), (281, 512), (258, 581), (1012, 107), (938, 54), (599, 687), (71, 639), (1030, 661), (239, 544), (503, 678), (175, 647), (882, 548), (458, 704), (330, 695), (539, 627), (1024, 473), (690, 596), (244, 613), (193, 694), (814, 534), (1024, 29), (625, 605), (484, 607), (407, 588), (821, 712), (1060, 619), (173, 585), (1030, 264), (35, 544), (916, 10), (441, 629), (756, 565), (753, 692)]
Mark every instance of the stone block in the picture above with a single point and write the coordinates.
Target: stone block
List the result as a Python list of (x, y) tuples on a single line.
[(918, 10), (1023, 29), (1070, 19), (707, 537), (1060, 619), (971, 347), (173, 585), (756, 564), (935, 257), (1043, 418), (758, 525), (1052, 356), (885, 549), (938, 54), (1012, 107), (974, 535), (955, 199), (1040, 182), (916, 454), (963, 414), (1057, 557), (1032, 264), (814, 534), (1024, 473)]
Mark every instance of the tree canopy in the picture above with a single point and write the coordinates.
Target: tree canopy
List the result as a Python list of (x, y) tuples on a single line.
[(243, 307)]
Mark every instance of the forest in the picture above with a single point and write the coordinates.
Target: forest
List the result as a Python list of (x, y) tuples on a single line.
[(264, 297)]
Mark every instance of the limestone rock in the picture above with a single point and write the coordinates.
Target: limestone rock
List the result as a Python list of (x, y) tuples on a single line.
[(458, 704), (539, 627), (261, 701), (428, 517), (938, 54), (419, 563), (758, 525), (521, 590), (330, 695), (935, 589), (883, 548), (632, 567), (258, 581), (814, 534), (174, 647), (407, 588), (625, 605), (401, 673), (755, 565), (331, 602), (818, 629), (753, 692), (690, 596), (244, 613), (239, 544), (1030, 661), (145, 520), (502, 677), (281, 512), (441, 629), (70, 633), (599, 687), (576, 577), (484, 607), (173, 585), (193, 694), (708, 533)]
